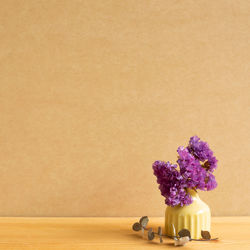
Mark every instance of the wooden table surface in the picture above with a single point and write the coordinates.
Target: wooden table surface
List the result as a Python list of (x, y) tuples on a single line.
[(110, 233)]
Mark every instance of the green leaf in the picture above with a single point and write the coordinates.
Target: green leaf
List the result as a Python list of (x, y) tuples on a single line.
[(151, 234), (137, 226), (184, 232), (160, 234), (144, 221), (205, 235)]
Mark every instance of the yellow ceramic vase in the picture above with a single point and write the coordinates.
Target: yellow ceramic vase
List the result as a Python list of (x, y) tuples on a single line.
[(194, 217)]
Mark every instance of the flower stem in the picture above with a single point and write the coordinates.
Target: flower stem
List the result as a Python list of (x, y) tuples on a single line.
[(172, 237)]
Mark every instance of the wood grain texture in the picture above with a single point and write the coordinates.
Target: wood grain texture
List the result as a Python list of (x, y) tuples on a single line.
[(110, 233)]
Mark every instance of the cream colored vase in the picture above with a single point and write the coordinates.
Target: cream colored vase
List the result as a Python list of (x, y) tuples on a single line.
[(194, 217)]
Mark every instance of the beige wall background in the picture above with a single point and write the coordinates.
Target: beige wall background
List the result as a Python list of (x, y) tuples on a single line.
[(93, 92)]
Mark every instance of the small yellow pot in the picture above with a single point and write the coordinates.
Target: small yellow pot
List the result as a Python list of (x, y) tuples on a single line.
[(194, 217)]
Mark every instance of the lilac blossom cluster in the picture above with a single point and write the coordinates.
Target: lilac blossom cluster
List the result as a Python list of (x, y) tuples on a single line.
[(196, 163)]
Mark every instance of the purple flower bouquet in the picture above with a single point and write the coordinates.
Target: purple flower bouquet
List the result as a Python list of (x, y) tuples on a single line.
[(194, 170)]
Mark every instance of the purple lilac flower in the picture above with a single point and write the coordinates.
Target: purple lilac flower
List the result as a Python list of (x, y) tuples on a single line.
[(210, 182), (196, 164), (193, 172), (201, 151), (171, 183), (191, 169)]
